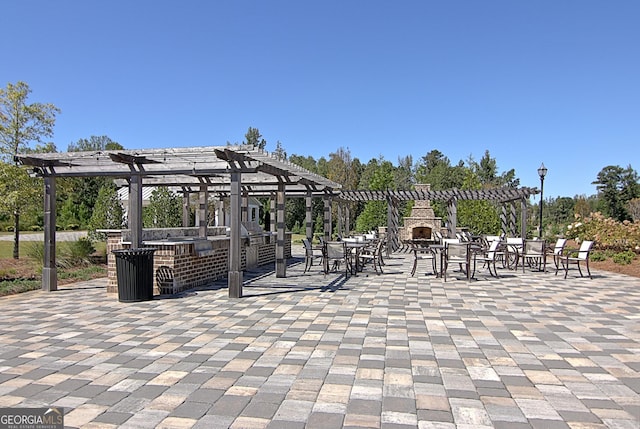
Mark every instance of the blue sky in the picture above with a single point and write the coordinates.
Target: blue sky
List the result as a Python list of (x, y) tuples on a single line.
[(553, 81)]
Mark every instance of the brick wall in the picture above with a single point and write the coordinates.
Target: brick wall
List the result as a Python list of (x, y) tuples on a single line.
[(189, 269)]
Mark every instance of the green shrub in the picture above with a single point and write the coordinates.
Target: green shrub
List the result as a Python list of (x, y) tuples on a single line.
[(35, 250), (624, 258), (68, 253), (598, 256), (75, 253)]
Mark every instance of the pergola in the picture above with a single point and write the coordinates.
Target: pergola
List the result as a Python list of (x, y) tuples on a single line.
[(231, 171), (506, 197), (235, 172)]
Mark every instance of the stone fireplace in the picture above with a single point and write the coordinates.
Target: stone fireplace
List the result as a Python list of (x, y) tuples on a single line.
[(423, 221)]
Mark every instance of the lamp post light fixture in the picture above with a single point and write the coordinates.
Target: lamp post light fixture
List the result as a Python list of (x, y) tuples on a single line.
[(542, 171)]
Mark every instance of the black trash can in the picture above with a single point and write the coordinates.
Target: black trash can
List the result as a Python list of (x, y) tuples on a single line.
[(134, 271)]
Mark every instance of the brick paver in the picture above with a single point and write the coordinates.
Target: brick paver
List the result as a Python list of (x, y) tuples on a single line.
[(527, 350)]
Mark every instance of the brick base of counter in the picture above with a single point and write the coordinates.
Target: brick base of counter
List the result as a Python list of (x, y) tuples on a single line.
[(189, 269)]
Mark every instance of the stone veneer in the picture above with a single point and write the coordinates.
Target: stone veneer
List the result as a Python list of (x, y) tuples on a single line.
[(422, 216)]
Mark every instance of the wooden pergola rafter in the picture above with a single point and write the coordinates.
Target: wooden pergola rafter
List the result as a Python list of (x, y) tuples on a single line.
[(499, 195)]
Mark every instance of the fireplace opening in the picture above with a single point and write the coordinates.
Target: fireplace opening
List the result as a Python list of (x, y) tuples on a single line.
[(421, 233)]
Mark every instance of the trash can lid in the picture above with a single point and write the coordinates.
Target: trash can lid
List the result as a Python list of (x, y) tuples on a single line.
[(139, 251)]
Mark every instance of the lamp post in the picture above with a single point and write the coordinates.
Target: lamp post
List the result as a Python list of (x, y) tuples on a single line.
[(542, 171)]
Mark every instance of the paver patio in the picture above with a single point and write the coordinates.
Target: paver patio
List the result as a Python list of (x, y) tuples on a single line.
[(527, 350)]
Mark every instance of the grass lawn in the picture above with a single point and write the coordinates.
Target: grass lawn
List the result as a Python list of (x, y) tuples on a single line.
[(6, 249)]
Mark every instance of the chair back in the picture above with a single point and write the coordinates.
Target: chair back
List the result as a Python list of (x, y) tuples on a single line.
[(585, 249), (379, 245), (493, 247), (307, 246), (559, 247), (437, 236), (533, 247), (487, 240), (447, 241), (456, 252), (336, 249)]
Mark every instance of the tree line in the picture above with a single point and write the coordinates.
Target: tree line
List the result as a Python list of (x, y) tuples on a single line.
[(92, 203)]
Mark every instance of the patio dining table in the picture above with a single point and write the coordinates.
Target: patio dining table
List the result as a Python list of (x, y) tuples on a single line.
[(354, 248)]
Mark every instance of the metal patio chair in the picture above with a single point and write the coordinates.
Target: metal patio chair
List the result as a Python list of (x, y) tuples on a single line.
[(533, 254), (336, 253), (457, 253), (490, 256), (422, 253), (311, 253), (576, 257)]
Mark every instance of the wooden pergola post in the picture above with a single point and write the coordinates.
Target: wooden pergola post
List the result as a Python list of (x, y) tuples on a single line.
[(281, 261), (513, 220), (523, 217), (308, 221), (49, 271), (186, 215), (327, 219), (221, 221), (135, 210), (340, 222), (347, 221), (272, 213), (244, 209), (393, 223), (452, 217), (235, 274), (203, 209), (503, 218)]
